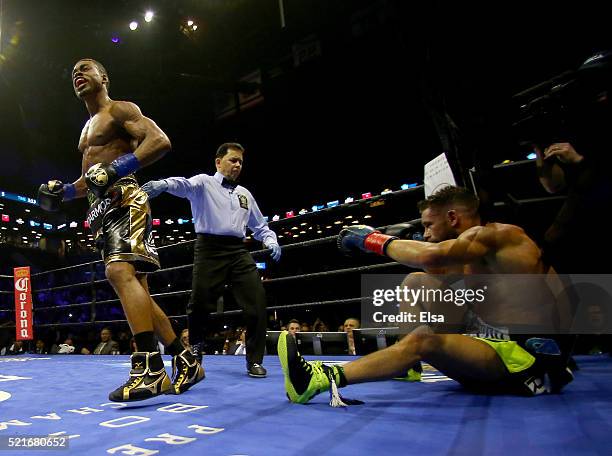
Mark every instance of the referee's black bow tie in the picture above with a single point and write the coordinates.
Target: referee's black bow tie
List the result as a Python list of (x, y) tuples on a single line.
[(228, 183)]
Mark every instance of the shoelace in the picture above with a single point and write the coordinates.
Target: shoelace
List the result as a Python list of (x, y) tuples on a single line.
[(134, 382), (313, 367), (308, 365)]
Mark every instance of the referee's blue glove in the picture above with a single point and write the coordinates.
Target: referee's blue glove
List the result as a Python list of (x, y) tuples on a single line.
[(155, 188), (276, 250)]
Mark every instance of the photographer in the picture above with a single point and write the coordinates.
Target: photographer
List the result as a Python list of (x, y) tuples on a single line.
[(589, 192), (580, 166)]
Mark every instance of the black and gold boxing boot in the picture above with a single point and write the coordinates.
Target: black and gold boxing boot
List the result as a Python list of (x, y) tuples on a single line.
[(186, 372), (148, 379)]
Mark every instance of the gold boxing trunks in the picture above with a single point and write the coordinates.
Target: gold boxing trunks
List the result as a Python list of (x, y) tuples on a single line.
[(121, 224)]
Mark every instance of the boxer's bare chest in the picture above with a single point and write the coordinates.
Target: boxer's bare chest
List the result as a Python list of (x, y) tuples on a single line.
[(102, 141)]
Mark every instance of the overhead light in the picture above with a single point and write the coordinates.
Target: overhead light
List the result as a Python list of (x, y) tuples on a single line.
[(133, 25), (148, 17), (190, 23), (195, 27)]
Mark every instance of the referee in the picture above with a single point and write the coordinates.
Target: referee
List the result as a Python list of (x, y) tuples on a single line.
[(222, 210)]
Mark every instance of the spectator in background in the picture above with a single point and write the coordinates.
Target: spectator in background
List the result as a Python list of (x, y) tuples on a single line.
[(349, 325), (123, 339), (305, 327), (293, 327), (14, 347), (40, 349), (273, 324), (238, 347), (185, 339), (133, 348), (319, 326), (67, 347), (107, 345)]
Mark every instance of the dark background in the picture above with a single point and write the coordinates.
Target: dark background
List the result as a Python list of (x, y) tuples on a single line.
[(361, 116)]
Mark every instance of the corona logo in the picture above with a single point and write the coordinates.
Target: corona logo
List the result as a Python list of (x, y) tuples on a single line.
[(22, 284)]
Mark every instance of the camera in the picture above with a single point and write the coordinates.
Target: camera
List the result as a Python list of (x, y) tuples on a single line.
[(569, 106)]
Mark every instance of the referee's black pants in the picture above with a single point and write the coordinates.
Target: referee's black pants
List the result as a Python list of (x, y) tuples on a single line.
[(221, 260)]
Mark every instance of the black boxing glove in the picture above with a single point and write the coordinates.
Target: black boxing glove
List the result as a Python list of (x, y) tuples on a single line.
[(406, 231), (51, 194), (101, 176)]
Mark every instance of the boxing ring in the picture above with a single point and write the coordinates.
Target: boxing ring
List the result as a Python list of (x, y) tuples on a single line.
[(231, 414)]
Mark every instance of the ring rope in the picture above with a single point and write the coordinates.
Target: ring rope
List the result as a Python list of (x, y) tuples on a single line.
[(229, 312), (292, 306), (275, 280), (296, 245), (313, 275), (97, 322), (108, 301), (334, 272)]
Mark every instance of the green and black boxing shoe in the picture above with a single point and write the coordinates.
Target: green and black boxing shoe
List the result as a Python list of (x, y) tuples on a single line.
[(305, 379)]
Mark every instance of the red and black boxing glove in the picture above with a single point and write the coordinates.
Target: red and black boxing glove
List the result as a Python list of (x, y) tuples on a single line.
[(363, 238)]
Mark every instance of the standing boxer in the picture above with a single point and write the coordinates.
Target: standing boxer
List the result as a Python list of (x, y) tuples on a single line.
[(116, 141)]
